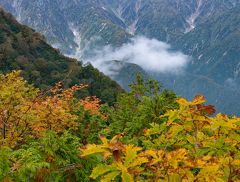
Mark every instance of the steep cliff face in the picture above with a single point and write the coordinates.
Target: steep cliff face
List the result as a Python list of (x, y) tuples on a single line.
[(73, 23), (65, 23), (214, 45)]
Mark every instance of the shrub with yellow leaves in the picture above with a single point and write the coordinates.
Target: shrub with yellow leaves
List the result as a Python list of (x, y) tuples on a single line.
[(191, 145)]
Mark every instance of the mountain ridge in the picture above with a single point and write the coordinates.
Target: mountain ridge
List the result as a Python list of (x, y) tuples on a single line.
[(21, 48)]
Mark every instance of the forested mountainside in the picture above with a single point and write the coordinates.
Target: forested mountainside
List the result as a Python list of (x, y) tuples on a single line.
[(21, 48), (208, 31), (54, 126)]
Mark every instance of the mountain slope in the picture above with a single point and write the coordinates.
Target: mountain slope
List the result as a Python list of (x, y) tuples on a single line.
[(22, 48), (71, 24), (215, 46), (223, 97)]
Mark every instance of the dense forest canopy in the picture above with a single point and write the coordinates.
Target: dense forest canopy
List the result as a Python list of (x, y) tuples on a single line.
[(21, 48)]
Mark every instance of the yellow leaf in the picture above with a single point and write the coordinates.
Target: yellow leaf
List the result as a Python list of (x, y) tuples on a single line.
[(110, 176), (199, 99), (131, 154), (236, 163), (174, 178), (101, 169), (126, 177), (103, 139), (138, 161), (182, 101), (93, 149)]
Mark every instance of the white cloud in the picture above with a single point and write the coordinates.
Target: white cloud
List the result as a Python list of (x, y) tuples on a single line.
[(151, 54)]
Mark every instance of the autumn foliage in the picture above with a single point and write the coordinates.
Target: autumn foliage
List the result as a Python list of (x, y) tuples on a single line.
[(55, 137), (40, 132), (189, 146), (27, 112)]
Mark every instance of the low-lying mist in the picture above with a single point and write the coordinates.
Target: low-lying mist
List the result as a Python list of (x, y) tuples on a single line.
[(152, 55)]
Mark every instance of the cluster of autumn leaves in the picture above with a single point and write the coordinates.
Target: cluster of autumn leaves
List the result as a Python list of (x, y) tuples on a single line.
[(188, 145), (25, 111)]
